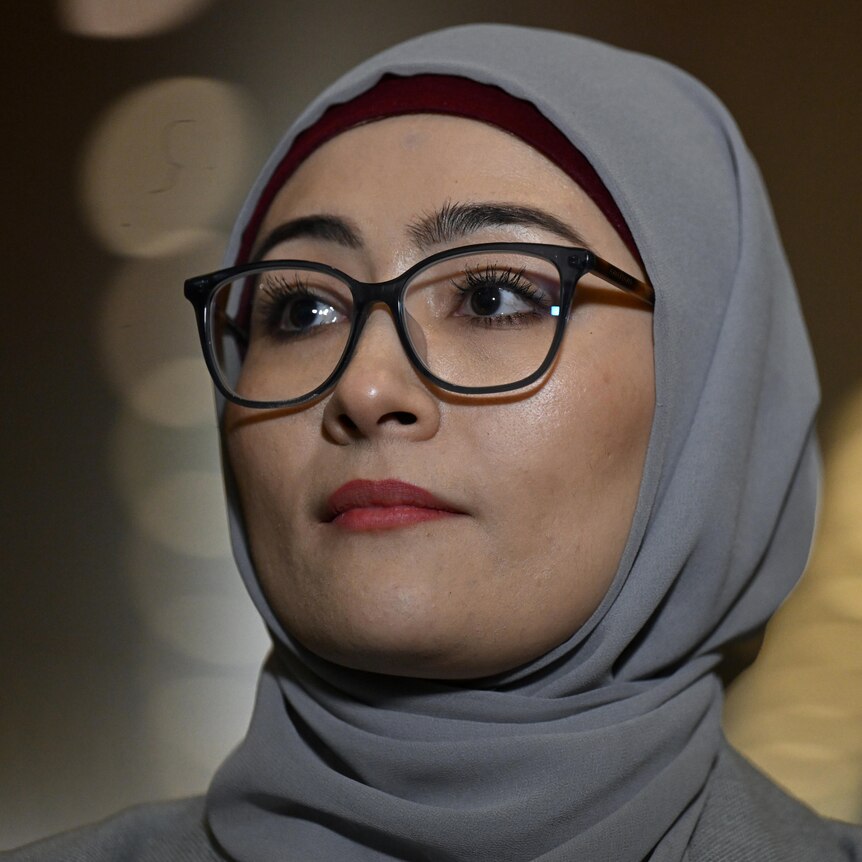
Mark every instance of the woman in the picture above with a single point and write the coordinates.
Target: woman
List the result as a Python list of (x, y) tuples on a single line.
[(516, 408)]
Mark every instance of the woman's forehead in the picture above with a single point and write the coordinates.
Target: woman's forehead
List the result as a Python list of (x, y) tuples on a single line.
[(403, 171), (428, 149)]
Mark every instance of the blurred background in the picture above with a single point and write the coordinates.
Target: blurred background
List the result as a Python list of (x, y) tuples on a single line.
[(128, 650)]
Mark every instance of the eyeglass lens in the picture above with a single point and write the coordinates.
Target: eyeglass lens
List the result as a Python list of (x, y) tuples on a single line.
[(478, 319)]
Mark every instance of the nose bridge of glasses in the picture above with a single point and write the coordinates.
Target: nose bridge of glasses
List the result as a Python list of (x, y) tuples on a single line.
[(376, 296), (368, 299), (368, 294)]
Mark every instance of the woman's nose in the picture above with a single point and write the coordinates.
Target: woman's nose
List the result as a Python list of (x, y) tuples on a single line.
[(380, 394)]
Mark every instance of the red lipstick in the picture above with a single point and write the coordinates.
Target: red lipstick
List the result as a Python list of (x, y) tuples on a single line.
[(363, 505)]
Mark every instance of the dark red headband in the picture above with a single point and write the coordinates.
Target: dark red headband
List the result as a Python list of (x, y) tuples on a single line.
[(441, 94)]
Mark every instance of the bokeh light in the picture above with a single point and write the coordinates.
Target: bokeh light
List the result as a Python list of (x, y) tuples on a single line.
[(797, 712), (185, 512), (140, 450), (844, 500), (842, 594), (164, 162), (176, 392), (188, 741), (196, 609), (215, 629), (149, 342), (125, 19)]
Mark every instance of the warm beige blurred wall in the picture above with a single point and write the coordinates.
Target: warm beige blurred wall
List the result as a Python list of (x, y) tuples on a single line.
[(122, 630)]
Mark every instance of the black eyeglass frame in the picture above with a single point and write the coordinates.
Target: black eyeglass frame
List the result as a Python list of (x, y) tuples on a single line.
[(572, 264)]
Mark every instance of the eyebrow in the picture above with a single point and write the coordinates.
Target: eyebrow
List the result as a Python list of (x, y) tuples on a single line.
[(327, 227), (453, 221)]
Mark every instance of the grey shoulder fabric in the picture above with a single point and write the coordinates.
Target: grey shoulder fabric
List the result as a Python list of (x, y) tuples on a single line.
[(160, 832), (747, 818), (606, 747)]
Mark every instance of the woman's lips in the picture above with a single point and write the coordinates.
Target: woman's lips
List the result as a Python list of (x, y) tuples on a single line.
[(363, 505)]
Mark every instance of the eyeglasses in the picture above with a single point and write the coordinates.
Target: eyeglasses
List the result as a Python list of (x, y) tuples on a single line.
[(478, 319)]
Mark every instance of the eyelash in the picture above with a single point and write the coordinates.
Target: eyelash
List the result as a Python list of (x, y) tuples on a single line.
[(275, 292), (278, 289), (510, 280)]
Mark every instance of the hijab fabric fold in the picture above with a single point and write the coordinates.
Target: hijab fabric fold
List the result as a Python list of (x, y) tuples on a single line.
[(604, 748)]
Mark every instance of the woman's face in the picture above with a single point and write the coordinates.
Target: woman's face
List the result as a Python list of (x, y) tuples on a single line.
[(543, 482)]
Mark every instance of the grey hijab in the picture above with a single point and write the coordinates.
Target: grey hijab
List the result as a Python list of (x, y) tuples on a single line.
[(605, 748)]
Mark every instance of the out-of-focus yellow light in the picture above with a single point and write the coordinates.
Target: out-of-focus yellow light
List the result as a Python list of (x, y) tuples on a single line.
[(843, 596), (843, 498), (164, 162), (124, 19), (755, 695), (830, 641), (797, 712)]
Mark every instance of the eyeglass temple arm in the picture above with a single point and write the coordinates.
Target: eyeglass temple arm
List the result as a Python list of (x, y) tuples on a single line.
[(615, 276)]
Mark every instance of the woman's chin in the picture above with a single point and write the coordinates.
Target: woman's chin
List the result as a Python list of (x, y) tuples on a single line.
[(420, 653)]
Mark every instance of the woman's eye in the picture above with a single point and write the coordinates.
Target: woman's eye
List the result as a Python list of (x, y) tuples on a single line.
[(289, 308), (490, 300), (504, 297), (302, 313)]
